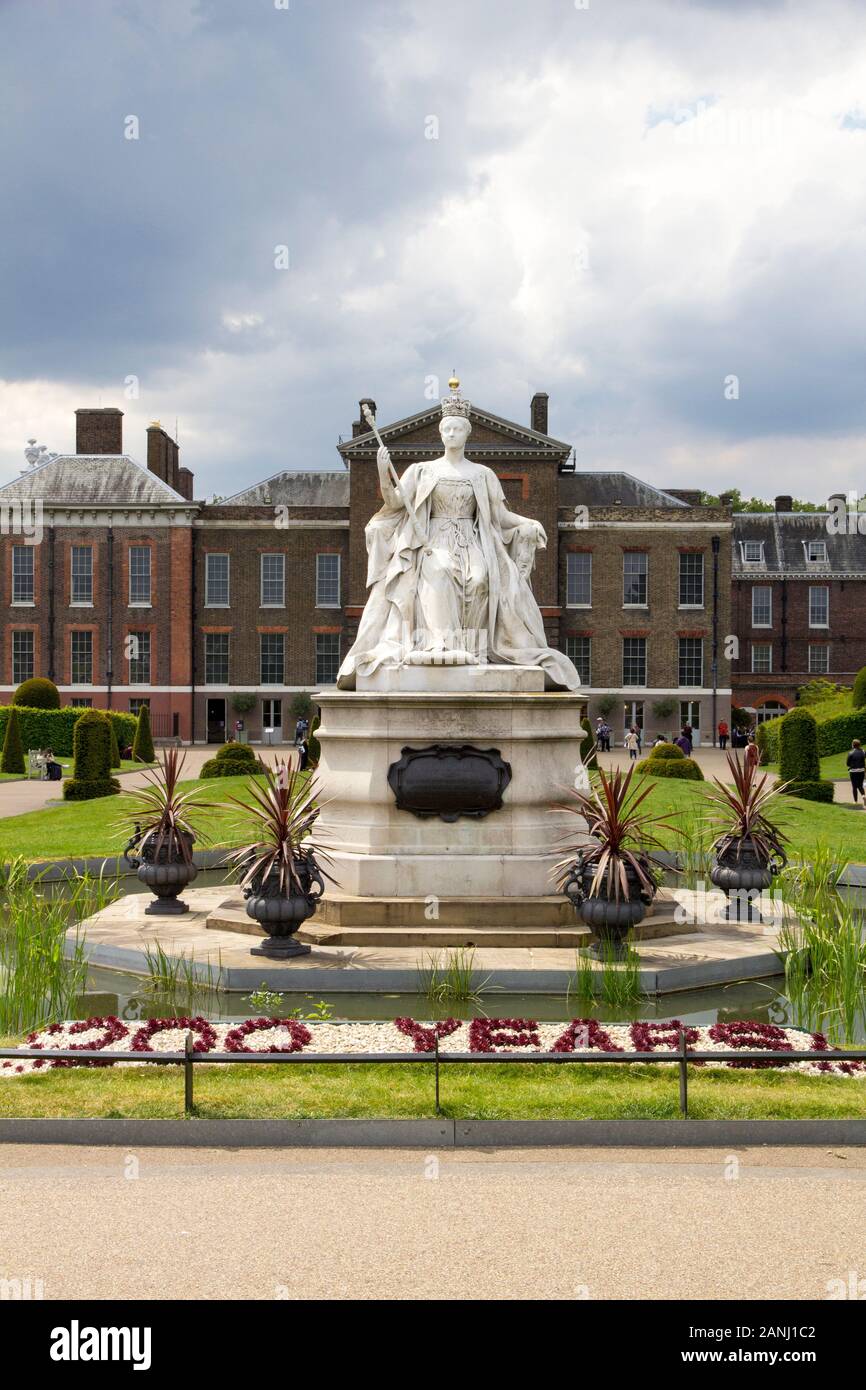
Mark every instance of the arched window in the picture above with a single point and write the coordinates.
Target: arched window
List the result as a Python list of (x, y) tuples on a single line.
[(771, 709)]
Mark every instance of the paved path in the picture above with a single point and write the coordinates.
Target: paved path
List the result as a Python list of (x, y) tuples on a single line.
[(559, 1224), (16, 798)]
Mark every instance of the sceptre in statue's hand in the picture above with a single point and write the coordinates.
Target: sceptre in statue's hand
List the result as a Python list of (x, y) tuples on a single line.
[(388, 476)]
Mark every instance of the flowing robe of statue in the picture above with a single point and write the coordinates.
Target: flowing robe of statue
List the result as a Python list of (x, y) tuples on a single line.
[(451, 587)]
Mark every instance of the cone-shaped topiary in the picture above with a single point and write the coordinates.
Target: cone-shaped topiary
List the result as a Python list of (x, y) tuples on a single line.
[(142, 748), (799, 762), (37, 693), (858, 694), (91, 745), (115, 750), (12, 759)]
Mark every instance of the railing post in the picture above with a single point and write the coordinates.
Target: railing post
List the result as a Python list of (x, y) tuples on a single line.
[(187, 1075), (436, 1063), (684, 1076)]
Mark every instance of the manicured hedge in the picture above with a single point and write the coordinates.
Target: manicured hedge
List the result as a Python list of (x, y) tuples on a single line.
[(667, 751), (858, 694), (92, 747), (834, 735), (53, 728), (38, 693), (142, 745), (232, 760), (799, 762), (685, 769), (12, 759)]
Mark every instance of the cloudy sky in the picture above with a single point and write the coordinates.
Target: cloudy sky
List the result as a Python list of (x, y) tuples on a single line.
[(652, 209)]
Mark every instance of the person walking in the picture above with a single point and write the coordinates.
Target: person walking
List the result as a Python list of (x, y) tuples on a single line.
[(857, 770), (632, 743), (723, 734), (753, 753), (685, 740)]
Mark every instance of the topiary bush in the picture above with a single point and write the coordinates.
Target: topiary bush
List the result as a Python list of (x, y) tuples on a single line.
[(300, 705), (55, 728), (314, 748), (858, 693), (37, 693), (811, 791), (115, 750), (232, 760), (685, 769), (142, 747), (799, 762), (12, 759), (667, 752), (91, 775)]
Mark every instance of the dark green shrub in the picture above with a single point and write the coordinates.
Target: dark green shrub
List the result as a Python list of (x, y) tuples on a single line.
[(55, 728), (762, 738), (798, 747), (812, 791), (858, 694), (587, 744), (740, 718), (91, 775), (243, 702), (665, 708), (314, 748), (142, 747), (607, 704), (667, 751), (12, 759), (115, 751), (37, 693), (684, 769), (236, 753)]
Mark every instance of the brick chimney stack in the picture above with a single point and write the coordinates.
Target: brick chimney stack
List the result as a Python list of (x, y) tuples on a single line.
[(538, 412), (784, 503), (360, 425), (162, 455), (185, 483), (99, 431)]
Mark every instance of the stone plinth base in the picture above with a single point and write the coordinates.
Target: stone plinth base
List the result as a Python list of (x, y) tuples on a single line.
[(381, 851), (452, 680)]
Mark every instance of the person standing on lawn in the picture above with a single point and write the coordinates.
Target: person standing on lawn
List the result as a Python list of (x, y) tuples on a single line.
[(723, 734), (857, 770)]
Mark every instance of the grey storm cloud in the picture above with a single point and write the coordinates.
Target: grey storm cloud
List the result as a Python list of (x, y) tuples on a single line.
[(559, 134)]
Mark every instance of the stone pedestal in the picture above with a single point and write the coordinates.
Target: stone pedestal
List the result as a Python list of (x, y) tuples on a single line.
[(381, 851)]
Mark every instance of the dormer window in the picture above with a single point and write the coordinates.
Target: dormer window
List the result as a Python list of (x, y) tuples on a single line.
[(816, 552), (753, 552)]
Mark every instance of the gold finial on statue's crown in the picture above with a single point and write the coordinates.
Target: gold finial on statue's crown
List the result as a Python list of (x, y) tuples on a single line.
[(455, 404)]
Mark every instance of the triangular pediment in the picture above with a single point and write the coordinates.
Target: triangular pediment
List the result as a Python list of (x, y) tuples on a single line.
[(417, 435)]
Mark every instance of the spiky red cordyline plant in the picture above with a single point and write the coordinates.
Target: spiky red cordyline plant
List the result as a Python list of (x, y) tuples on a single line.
[(163, 814), (621, 835), (739, 813), (283, 812)]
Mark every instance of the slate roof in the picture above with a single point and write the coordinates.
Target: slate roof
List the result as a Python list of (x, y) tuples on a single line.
[(783, 535), (92, 480), (307, 489), (611, 489)]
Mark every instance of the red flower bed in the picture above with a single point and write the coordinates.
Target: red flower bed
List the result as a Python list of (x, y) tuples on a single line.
[(206, 1035), (502, 1034), (650, 1037), (751, 1037), (299, 1036), (585, 1033), (114, 1031), (425, 1038)]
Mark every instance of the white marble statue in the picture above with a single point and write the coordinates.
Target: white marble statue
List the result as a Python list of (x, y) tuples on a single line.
[(448, 569)]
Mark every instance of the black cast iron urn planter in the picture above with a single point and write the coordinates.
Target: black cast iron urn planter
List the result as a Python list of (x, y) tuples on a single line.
[(164, 870), (743, 875), (610, 919), (283, 914)]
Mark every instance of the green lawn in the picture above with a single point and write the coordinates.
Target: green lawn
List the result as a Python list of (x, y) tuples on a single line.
[(89, 828), (832, 767), (842, 828), (488, 1092), (66, 763)]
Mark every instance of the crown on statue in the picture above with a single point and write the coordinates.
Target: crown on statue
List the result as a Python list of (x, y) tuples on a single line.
[(455, 404)]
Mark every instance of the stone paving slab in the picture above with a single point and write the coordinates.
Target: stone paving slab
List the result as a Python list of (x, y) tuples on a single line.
[(711, 954)]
